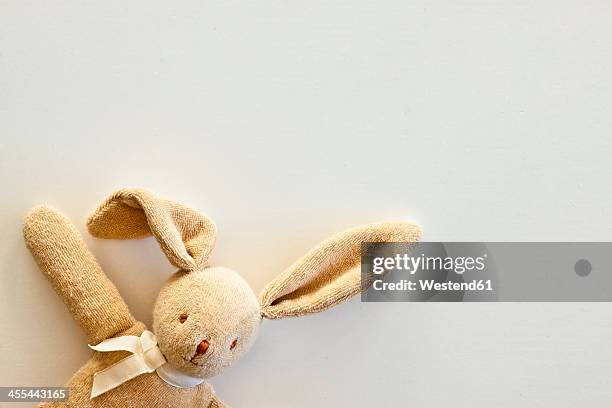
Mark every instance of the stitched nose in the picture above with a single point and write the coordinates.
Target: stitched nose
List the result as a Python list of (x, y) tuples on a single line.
[(202, 347)]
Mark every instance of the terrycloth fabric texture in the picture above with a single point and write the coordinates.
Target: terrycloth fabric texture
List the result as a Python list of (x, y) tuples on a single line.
[(186, 236), (218, 306), (330, 273), (144, 391), (75, 274), (99, 309), (205, 318)]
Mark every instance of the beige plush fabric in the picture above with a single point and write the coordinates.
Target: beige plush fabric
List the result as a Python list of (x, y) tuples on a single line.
[(186, 236), (100, 311), (219, 306), (198, 304), (329, 273), (144, 391), (75, 274)]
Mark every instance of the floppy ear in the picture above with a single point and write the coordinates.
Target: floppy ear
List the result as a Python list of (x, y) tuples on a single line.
[(330, 273), (186, 236)]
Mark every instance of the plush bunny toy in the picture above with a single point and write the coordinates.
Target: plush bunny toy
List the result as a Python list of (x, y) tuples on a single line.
[(204, 318)]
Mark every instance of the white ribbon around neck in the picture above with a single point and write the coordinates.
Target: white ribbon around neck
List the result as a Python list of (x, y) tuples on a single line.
[(176, 378), (146, 357)]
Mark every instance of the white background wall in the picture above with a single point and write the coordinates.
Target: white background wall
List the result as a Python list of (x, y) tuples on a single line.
[(287, 121)]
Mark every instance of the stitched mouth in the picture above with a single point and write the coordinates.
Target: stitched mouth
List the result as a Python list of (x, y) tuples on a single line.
[(197, 359), (194, 360)]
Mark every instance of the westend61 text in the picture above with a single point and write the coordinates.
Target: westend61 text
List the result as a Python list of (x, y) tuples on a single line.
[(429, 285)]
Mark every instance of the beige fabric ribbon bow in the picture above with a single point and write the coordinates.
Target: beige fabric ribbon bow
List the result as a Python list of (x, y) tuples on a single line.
[(146, 358)]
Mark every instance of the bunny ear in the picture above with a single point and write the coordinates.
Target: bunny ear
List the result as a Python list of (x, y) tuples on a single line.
[(330, 273), (186, 236)]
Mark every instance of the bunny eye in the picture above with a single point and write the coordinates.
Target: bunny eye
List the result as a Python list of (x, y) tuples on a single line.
[(183, 317), (234, 344)]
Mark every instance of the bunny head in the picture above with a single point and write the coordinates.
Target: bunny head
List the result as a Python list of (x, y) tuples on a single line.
[(205, 318)]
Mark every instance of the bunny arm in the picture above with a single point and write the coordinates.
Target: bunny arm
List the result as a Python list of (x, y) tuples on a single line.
[(76, 276)]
